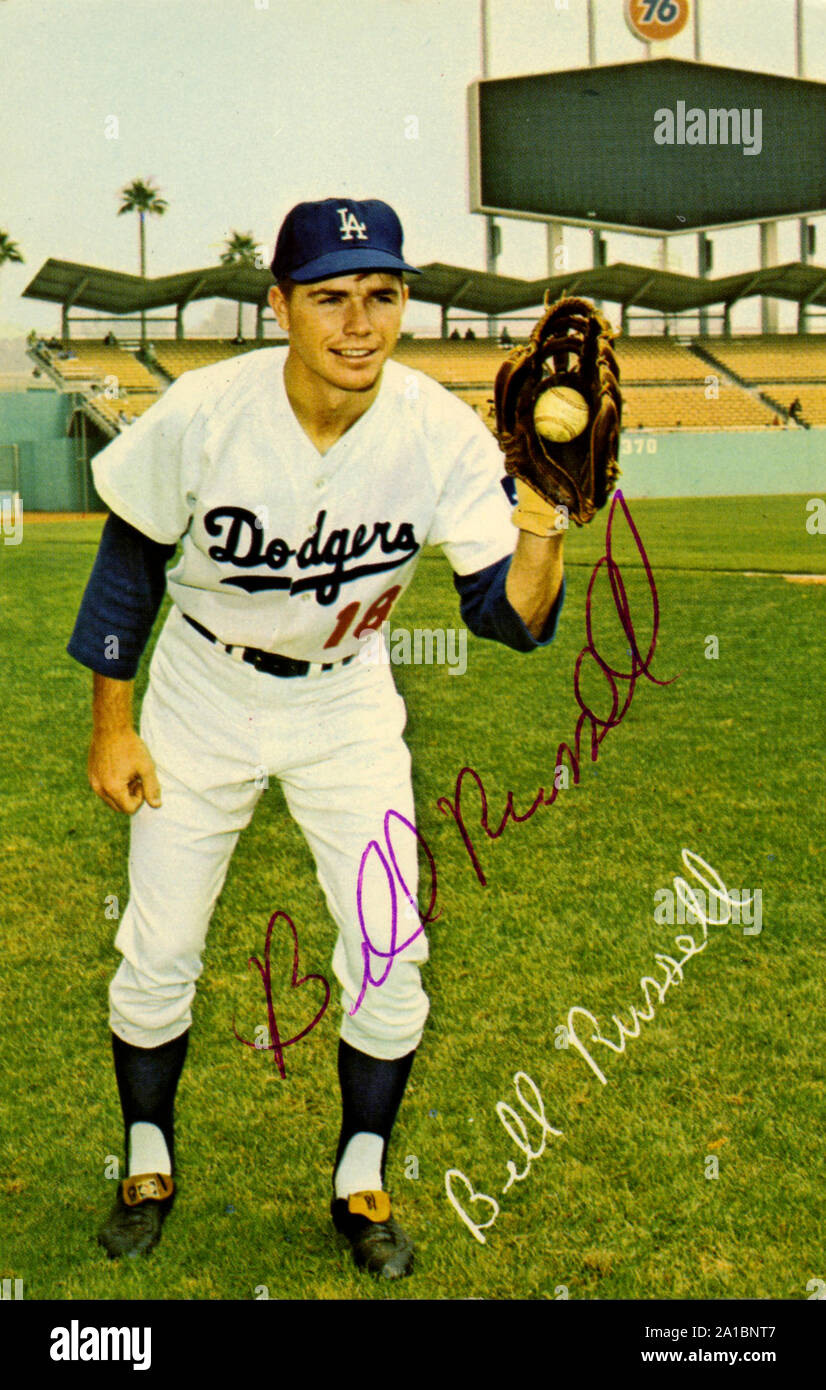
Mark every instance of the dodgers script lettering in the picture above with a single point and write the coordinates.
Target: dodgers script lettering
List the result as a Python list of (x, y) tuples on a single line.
[(245, 548)]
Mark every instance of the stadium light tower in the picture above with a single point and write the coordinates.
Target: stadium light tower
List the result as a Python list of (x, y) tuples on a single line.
[(596, 232), (800, 71), (555, 231), (703, 243), (768, 230), (493, 232)]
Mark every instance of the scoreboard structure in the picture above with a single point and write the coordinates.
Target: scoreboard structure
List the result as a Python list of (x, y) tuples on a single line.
[(655, 148)]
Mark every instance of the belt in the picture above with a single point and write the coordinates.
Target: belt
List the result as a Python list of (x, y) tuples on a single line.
[(269, 662)]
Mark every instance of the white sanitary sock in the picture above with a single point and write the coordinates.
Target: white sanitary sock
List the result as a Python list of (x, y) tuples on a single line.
[(360, 1166), (147, 1150)]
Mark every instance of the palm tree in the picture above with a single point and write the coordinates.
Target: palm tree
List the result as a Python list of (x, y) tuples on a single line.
[(241, 249), (139, 196), (9, 250)]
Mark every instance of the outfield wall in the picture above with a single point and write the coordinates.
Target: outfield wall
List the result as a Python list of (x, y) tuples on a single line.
[(731, 463), (37, 458), (47, 475), (34, 415)]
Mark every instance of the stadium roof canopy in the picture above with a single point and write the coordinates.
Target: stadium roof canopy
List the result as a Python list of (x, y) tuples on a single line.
[(660, 290), (115, 293)]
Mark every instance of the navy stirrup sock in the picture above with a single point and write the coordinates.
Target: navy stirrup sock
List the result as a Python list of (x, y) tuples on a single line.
[(147, 1080), (371, 1093)]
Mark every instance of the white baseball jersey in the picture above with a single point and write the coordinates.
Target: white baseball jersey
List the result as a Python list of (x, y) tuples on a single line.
[(288, 549)]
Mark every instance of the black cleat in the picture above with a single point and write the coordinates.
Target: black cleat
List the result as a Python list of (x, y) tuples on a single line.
[(378, 1242), (134, 1224)]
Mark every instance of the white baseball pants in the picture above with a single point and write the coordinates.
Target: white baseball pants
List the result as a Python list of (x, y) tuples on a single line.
[(334, 741)]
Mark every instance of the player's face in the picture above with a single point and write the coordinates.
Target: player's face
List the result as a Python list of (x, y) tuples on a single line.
[(343, 330)]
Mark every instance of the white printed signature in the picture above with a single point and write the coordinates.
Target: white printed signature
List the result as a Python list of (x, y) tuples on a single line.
[(673, 971)]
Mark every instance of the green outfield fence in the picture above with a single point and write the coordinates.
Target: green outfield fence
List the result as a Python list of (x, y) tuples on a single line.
[(38, 458), (728, 463)]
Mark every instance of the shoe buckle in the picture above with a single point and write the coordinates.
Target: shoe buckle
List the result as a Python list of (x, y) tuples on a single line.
[(146, 1187), (374, 1205)]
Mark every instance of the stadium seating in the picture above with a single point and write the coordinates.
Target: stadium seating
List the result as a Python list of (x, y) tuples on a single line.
[(775, 357), (812, 398), (176, 357), (686, 407), (93, 361), (657, 360), (452, 363)]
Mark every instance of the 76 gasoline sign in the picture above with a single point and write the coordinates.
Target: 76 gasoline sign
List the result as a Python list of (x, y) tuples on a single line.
[(653, 20)]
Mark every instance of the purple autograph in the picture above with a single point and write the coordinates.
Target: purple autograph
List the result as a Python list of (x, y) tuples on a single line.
[(598, 729), (368, 949), (277, 1044)]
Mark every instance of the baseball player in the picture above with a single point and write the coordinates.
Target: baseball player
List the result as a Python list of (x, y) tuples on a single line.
[(302, 486)]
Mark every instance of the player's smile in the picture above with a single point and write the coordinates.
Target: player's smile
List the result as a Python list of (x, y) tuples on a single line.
[(355, 355)]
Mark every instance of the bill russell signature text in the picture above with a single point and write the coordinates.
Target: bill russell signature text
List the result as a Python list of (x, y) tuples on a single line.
[(473, 1205)]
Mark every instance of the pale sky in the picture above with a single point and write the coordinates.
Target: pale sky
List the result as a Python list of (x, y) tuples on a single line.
[(237, 109)]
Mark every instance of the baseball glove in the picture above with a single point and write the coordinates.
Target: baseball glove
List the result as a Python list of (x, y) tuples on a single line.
[(570, 346)]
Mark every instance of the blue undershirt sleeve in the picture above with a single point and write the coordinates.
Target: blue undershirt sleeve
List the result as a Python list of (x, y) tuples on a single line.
[(485, 608), (121, 601)]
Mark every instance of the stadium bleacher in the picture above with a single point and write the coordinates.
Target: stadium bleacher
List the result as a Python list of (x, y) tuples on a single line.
[(664, 382), (175, 357), (92, 361), (453, 363), (646, 360), (771, 358), (812, 398), (686, 408)]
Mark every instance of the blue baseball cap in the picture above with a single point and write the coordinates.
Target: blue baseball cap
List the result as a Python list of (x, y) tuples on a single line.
[(338, 236)]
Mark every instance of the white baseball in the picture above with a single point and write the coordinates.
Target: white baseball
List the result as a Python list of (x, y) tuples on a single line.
[(560, 414)]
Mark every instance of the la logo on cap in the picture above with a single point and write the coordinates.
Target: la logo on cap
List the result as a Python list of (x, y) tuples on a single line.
[(321, 240), (350, 225)]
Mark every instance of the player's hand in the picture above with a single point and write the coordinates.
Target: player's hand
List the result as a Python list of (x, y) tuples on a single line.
[(122, 772)]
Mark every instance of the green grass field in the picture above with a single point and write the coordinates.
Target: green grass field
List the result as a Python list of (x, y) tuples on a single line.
[(727, 760)]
